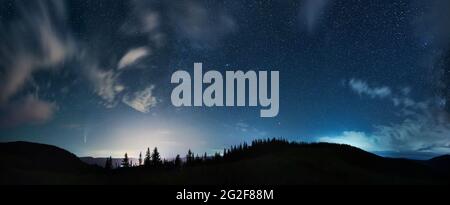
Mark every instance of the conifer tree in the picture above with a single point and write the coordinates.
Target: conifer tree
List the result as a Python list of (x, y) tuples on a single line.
[(156, 158), (189, 157), (125, 161), (147, 160), (177, 161), (108, 163)]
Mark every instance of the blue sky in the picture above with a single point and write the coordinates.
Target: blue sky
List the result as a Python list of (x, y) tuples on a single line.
[(93, 77)]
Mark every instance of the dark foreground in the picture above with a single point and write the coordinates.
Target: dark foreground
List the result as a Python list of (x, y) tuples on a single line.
[(270, 163)]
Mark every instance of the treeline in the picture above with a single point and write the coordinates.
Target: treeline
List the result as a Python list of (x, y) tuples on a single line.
[(152, 159)]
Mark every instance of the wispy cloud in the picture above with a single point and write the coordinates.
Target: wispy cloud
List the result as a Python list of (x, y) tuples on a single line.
[(425, 126), (32, 41), (29, 110), (201, 25), (132, 56), (427, 131), (362, 87), (246, 129), (399, 97), (106, 84), (141, 101), (312, 11)]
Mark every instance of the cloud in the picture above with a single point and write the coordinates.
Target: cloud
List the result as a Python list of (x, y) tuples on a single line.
[(361, 87), (141, 101), (427, 131), (31, 42), (150, 21), (132, 56), (244, 127), (201, 25), (399, 98), (311, 11), (106, 85), (37, 39), (425, 126), (30, 110)]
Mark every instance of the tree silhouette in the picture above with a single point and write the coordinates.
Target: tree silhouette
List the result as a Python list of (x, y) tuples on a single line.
[(125, 161), (198, 159), (147, 160), (235, 152), (189, 157), (216, 156), (205, 156), (108, 163), (177, 161), (156, 158)]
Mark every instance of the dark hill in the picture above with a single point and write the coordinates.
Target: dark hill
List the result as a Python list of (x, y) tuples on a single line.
[(32, 163), (279, 163), (270, 162), (441, 163)]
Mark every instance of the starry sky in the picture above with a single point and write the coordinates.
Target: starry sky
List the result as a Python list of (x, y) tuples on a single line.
[(93, 77)]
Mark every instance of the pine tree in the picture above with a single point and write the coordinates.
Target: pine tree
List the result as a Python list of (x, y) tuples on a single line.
[(216, 156), (140, 158), (177, 161), (125, 161), (198, 159), (108, 163), (156, 158), (189, 157), (147, 160)]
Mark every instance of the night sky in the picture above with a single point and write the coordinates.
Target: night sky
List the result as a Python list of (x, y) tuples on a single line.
[(93, 76)]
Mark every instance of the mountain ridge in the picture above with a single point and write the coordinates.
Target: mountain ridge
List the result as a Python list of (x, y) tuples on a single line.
[(271, 163)]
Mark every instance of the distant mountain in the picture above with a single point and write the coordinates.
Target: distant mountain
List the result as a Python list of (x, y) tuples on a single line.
[(100, 161), (271, 162)]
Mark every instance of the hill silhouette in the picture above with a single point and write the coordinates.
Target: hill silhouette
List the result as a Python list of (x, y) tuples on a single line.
[(263, 162), (32, 163), (441, 163)]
